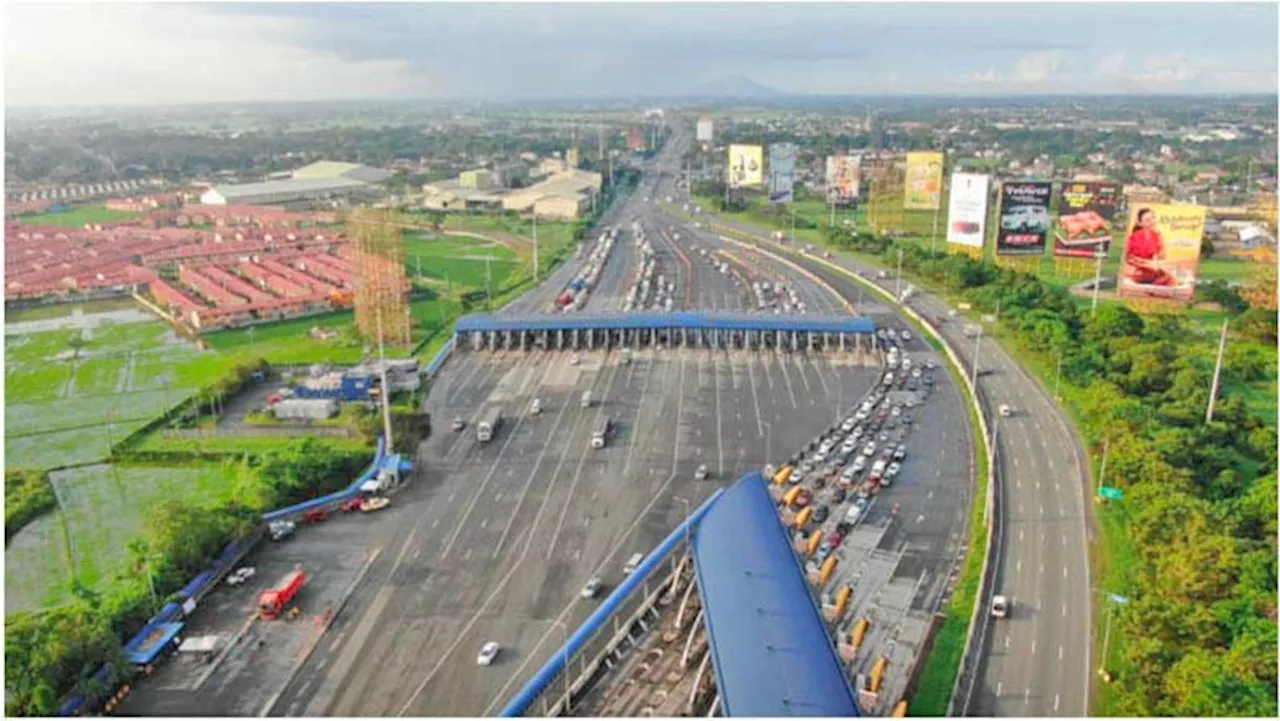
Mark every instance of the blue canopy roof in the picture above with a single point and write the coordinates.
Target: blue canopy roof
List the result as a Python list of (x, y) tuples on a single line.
[(150, 641), (772, 653), (689, 320)]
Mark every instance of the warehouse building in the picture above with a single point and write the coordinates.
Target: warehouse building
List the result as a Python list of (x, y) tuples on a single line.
[(566, 195), (322, 181)]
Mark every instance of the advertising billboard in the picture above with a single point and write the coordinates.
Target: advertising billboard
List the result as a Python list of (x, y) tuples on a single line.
[(1024, 218), (967, 211), (746, 165), (782, 172), (1086, 212), (844, 178), (1162, 251), (704, 131), (924, 181)]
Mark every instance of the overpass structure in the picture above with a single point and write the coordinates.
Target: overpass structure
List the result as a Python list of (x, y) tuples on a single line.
[(718, 620), (587, 331)]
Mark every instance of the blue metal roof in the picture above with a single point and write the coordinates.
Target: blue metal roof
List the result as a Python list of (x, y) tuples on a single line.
[(772, 653), (150, 641), (689, 320)]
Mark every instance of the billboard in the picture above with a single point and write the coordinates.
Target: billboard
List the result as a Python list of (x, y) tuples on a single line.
[(704, 130), (924, 181), (1086, 212), (782, 172), (844, 178), (967, 212), (746, 165), (1162, 251), (1024, 218)]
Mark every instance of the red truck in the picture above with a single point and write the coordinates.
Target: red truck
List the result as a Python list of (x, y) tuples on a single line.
[(273, 600)]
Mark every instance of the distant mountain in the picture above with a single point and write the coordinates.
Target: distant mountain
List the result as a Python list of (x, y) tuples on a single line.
[(734, 86)]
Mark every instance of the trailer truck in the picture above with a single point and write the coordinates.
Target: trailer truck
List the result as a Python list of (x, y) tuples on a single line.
[(272, 602), (488, 424)]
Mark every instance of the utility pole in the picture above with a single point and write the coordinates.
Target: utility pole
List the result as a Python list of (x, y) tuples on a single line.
[(1057, 376), (535, 247), (933, 239), (793, 226), (1217, 373), (386, 392), (1097, 284)]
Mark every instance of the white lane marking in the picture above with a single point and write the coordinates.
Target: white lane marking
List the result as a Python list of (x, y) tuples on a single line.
[(435, 523), (1020, 534), (1041, 509), (1015, 462), (1056, 700), (452, 496), (1033, 647), (1064, 609), (1042, 568), (1060, 652), (1006, 642), (497, 496), (1064, 571), (999, 688), (1026, 696), (1017, 482)]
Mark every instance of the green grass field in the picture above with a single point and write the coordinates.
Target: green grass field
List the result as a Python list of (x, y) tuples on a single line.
[(62, 411), (63, 310), (78, 216), (458, 261), (104, 509)]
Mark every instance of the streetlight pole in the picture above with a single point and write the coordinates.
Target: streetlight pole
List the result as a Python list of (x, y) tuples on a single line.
[(1097, 284), (535, 247), (1217, 373), (897, 288), (977, 348), (1057, 376)]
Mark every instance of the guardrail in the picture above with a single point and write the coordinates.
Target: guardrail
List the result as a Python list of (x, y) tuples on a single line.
[(559, 661), (441, 356), (963, 688), (336, 497)]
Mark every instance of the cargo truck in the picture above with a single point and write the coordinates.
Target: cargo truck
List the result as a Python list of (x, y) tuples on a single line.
[(488, 424), (600, 432), (272, 602)]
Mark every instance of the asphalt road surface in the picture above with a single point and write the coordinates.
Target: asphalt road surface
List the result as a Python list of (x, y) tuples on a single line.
[(499, 538), (1037, 661)]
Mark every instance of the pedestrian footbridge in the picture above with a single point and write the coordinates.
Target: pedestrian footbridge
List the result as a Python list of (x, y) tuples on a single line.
[(587, 331)]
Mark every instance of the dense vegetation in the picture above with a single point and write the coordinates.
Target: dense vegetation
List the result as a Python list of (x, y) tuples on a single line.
[(1193, 543), (27, 494), (49, 654)]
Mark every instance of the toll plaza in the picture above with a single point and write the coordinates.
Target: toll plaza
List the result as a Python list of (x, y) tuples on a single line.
[(718, 620), (588, 331)]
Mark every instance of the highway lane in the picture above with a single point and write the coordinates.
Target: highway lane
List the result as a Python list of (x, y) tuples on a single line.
[(1036, 663)]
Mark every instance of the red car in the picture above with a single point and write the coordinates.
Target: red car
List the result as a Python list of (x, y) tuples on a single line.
[(351, 504), (803, 499), (315, 515)]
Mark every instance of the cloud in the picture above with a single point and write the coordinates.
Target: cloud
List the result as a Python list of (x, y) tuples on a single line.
[(1037, 67), (159, 53)]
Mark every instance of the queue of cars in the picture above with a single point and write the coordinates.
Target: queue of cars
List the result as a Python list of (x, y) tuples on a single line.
[(839, 472)]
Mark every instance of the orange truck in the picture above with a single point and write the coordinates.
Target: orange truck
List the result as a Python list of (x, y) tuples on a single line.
[(273, 601)]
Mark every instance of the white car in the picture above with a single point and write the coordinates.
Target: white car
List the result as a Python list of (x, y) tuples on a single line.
[(1005, 411), (242, 575), (488, 653), (892, 470), (848, 424), (1000, 607), (906, 335), (574, 360), (592, 589), (537, 406)]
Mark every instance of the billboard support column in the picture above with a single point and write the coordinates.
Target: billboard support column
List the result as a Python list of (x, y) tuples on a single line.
[(933, 239)]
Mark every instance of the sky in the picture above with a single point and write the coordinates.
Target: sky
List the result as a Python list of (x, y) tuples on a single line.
[(87, 54)]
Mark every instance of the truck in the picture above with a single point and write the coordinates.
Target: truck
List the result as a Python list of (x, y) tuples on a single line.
[(272, 602), (488, 424), (600, 432), (625, 356)]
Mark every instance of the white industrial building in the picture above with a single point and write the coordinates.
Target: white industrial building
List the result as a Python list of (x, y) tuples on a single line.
[(324, 180)]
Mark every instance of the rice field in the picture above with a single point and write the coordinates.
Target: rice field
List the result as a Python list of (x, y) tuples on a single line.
[(103, 508), (70, 393)]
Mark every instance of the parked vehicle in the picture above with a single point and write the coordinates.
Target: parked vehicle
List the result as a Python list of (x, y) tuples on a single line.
[(240, 576), (272, 602)]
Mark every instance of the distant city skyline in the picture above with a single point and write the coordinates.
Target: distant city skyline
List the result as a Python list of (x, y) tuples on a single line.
[(87, 54)]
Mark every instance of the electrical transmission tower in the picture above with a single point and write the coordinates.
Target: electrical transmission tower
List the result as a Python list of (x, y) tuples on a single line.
[(382, 289)]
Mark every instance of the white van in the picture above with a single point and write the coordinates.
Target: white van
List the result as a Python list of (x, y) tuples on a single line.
[(632, 564)]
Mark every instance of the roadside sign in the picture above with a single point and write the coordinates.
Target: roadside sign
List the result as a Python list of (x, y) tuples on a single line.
[(1112, 494)]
